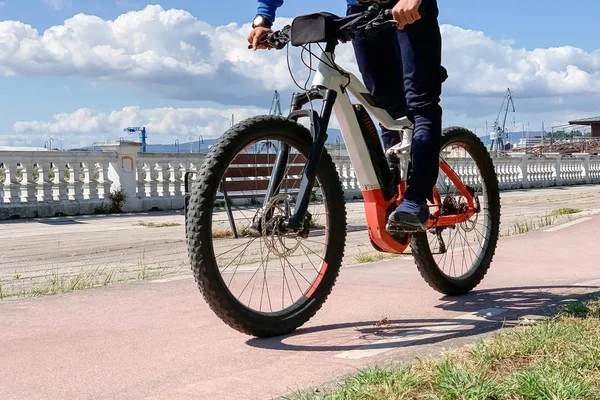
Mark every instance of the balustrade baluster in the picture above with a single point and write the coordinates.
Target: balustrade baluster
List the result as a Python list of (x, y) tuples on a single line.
[(29, 179), (167, 179), (77, 181), (92, 177), (14, 177), (106, 182), (4, 199), (140, 181), (178, 174)]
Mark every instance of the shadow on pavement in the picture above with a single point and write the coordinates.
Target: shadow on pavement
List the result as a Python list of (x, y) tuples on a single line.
[(61, 221), (516, 299), (81, 219), (521, 301)]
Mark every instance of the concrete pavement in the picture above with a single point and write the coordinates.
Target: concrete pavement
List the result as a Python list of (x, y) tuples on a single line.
[(159, 340), (34, 251)]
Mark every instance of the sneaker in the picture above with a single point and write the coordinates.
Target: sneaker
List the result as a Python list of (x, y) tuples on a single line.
[(410, 216)]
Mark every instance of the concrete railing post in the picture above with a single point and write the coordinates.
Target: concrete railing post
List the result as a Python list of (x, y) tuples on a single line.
[(122, 170), (524, 169), (585, 166), (557, 161)]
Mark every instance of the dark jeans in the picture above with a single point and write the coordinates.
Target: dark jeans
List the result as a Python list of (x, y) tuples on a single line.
[(402, 70)]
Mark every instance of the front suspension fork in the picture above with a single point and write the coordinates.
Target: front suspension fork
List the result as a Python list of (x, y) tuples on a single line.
[(319, 124)]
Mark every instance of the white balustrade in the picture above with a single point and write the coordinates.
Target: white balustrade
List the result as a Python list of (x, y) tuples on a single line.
[(49, 183), (348, 177), (509, 171), (593, 172), (573, 169), (161, 179)]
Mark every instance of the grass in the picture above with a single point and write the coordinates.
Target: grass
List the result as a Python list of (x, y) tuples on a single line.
[(363, 258), (559, 358), (521, 227), (58, 282), (157, 224), (221, 233), (565, 211), (525, 226), (246, 231)]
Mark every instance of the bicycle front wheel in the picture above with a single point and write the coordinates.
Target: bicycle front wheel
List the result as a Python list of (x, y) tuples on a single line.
[(453, 259), (258, 278)]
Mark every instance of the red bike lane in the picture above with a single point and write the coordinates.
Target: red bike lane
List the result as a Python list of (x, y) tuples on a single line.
[(159, 340)]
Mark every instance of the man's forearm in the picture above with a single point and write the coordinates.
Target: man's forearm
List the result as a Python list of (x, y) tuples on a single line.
[(268, 8)]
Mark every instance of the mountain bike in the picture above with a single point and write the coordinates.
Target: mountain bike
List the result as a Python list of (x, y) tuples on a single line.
[(270, 272)]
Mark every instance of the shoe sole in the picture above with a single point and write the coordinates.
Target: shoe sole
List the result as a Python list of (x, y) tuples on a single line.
[(405, 227)]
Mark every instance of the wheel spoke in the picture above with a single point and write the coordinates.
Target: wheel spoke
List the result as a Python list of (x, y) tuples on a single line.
[(247, 262)]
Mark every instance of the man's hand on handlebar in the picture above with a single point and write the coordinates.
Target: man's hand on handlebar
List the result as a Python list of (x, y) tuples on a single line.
[(257, 36), (372, 20), (406, 12)]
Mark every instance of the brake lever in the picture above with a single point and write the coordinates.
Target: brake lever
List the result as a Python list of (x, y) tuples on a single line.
[(381, 21), (276, 40), (276, 44), (376, 25), (385, 20)]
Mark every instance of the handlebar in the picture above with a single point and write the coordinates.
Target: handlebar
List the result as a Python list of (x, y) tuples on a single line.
[(383, 20), (370, 21), (278, 39)]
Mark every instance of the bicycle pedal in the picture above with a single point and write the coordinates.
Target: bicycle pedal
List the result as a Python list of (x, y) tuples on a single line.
[(402, 229)]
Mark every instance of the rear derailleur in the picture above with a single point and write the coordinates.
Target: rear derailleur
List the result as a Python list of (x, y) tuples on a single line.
[(451, 207)]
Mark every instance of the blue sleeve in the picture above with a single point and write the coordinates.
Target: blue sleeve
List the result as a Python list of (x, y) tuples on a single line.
[(267, 8)]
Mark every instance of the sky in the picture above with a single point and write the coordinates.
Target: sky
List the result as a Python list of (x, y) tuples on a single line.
[(82, 70)]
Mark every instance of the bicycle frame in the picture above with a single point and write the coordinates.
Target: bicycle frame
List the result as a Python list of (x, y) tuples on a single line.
[(333, 86)]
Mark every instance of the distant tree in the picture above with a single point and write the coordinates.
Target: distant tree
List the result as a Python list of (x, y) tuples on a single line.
[(576, 133), (557, 134)]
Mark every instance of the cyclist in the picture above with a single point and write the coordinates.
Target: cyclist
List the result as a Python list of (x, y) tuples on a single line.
[(402, 70)]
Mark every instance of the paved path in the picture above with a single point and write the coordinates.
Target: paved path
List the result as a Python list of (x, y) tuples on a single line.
[(34, 252), (159, 340)]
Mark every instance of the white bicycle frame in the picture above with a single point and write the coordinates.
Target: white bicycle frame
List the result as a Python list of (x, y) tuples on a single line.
[(351, 133)]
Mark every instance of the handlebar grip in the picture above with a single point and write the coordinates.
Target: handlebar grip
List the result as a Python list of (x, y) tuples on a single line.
[(388, 11), (263, 41)]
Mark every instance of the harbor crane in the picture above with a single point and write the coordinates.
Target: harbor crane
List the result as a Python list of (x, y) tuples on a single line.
[(143, 136), (499, 135), (275, 105)]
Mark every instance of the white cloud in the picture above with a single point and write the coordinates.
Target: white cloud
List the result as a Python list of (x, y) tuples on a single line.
[(170, 53), (480, 66), (56, 4), (85, 126), (173, 54), (164, 125)]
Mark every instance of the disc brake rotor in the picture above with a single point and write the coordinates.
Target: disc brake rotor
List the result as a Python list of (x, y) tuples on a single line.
[(273, 216)]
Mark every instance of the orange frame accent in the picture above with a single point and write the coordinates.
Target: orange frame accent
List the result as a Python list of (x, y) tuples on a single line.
[(377, 211)]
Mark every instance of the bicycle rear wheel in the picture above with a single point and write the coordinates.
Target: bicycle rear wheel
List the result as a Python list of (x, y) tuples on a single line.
[(264, 282), (454, 259)]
